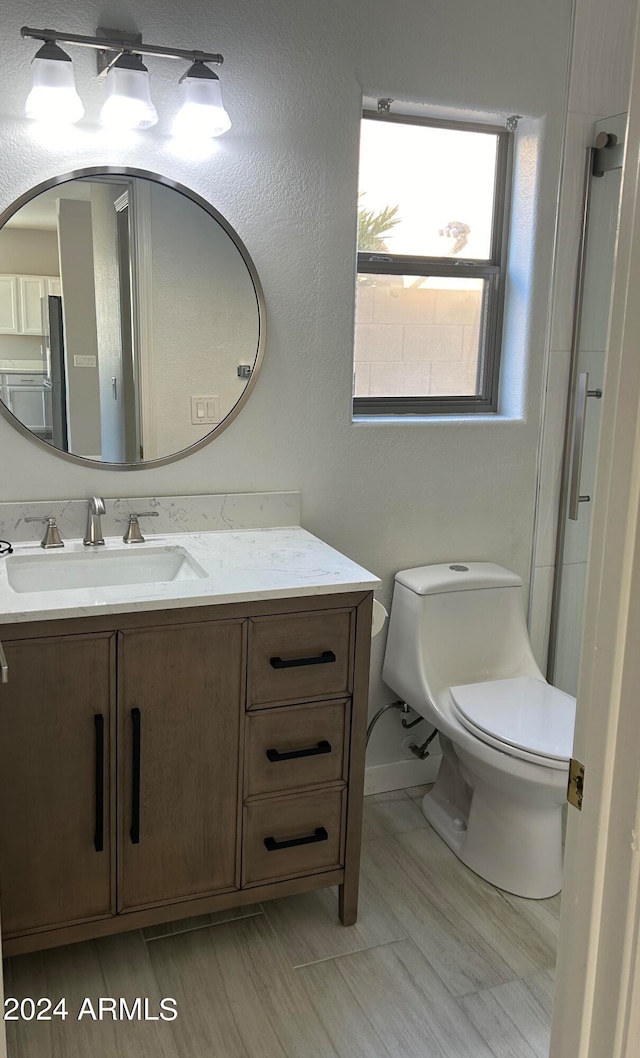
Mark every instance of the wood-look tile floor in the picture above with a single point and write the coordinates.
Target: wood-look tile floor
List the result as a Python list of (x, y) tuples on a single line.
[(439, 965)]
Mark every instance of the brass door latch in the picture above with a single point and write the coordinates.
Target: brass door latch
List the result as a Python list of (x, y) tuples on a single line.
[(576, 784)]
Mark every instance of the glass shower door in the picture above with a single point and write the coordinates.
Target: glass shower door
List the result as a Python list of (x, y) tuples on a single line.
[(590, 333)]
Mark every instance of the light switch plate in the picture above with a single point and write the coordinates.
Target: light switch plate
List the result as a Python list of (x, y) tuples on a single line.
[(205, 411), (81, 360)]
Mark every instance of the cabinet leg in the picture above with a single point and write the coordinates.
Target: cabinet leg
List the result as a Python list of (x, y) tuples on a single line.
[(348, 901)]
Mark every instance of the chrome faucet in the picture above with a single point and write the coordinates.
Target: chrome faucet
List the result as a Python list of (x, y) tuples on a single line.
[(93, 534)]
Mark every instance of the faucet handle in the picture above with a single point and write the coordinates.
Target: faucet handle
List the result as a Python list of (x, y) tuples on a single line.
[(133, 534), (51, 536)]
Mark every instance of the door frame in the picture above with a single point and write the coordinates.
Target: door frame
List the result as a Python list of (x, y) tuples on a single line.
[(141, 255), (597, 1008)]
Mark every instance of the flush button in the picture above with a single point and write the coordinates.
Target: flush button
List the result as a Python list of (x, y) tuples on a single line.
[(459, 569)]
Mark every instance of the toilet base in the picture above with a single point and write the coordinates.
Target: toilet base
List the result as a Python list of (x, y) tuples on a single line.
[(512, 842)]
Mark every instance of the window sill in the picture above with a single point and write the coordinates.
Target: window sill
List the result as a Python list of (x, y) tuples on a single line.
[(420, 420)]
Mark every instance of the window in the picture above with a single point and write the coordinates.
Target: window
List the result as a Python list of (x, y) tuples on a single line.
[(432, 230)]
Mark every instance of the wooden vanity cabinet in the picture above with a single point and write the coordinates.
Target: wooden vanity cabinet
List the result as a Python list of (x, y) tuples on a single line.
[(167, 764), (56, 849), (180, 695)]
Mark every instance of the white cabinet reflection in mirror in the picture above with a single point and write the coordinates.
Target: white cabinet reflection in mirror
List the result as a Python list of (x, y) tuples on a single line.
[(21, 301), (157, 302), (26, 396)]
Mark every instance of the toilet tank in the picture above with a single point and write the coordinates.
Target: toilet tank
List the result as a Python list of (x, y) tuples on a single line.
[(452, 624)]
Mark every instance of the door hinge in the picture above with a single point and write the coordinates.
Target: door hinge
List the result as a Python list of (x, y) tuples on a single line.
[(576, 784)]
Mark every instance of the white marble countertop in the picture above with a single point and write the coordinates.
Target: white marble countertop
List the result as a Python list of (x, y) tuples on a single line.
[(21, 366), (240, 566)]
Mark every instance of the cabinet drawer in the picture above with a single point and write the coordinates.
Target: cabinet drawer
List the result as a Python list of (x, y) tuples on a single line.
[(295, 747), (300, 656), (31, 380), (289, 836)]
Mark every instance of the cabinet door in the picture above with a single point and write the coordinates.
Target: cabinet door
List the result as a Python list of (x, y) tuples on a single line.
[(9, 320), (27, 404), (32, 290), (54, 285), (55, 822), (180, 699)]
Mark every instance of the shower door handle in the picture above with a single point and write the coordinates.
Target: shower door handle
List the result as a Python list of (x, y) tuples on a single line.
[(579, 417)]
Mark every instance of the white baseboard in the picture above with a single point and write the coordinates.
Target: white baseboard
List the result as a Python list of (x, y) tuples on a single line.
[(401, 774)]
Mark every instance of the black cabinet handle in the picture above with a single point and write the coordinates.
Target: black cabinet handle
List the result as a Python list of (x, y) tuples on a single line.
[(323, 747), (326, 658), (98, 836), (319, 834), (135, 777)]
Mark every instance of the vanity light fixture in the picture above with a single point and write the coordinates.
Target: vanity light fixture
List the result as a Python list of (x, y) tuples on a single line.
[(127, 97), (53, 96), (202, 112), (127, 102)]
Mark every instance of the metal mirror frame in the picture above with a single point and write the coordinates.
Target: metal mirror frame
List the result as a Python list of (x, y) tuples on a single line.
[(116, 170)]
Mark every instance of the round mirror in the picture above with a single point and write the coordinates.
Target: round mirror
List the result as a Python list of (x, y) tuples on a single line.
[(131, 318)]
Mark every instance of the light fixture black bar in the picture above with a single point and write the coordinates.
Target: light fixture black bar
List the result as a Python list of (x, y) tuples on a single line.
[(118, 45)]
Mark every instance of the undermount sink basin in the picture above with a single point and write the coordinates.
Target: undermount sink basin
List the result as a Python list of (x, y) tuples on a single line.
[(139, 564)]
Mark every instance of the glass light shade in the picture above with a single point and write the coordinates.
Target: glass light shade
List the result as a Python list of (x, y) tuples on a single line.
[(128, 100), (202, 112), (53, 97)]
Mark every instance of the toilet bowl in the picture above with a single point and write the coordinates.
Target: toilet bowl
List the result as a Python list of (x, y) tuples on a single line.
[(458, 653)]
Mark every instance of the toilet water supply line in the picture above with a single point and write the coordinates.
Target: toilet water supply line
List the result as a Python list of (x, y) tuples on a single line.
[(422, 752)]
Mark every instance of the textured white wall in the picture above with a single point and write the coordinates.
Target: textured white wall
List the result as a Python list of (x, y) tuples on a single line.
[(29, 252), (390, 496)]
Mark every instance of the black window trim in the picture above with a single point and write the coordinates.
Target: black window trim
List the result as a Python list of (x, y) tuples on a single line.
[(492, 270)]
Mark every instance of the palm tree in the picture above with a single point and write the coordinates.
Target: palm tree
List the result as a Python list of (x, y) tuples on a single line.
[(372, 227)]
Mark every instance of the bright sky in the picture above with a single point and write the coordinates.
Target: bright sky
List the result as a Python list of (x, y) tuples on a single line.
[(437, 177)]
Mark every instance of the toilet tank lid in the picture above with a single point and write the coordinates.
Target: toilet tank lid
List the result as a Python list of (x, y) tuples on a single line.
[(457, 576)]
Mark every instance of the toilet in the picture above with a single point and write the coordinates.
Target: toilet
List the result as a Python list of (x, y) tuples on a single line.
[(458, 653)]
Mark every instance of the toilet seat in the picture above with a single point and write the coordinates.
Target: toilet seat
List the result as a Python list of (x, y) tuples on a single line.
[(523, 716)]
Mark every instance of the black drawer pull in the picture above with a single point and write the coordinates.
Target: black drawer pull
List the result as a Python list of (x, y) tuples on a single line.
[(326, 658), (319, 834), (323, 747), (134, 833), (98, 835)]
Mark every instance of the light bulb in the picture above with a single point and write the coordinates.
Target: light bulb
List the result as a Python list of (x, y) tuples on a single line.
[(202, 112), (128, 100), (53, 97)]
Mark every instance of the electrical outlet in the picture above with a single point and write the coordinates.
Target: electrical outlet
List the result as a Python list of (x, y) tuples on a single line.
[(205, 410), (84, 360)]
